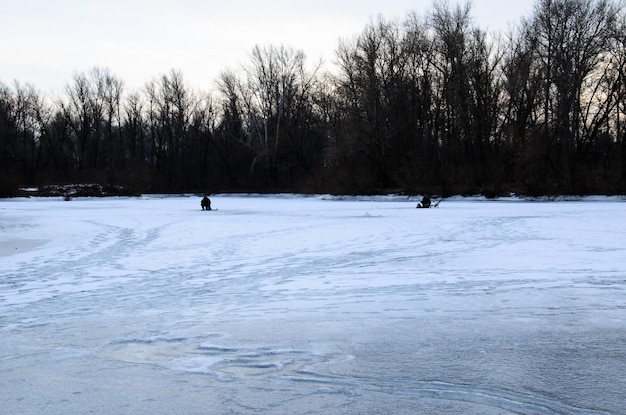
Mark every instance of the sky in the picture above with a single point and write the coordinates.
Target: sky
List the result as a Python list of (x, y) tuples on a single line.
[(45, 42)]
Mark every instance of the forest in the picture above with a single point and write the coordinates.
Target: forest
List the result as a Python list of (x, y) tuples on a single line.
[(420, 104)]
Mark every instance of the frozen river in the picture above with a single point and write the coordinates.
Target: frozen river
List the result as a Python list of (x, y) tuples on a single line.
[(309, 305)]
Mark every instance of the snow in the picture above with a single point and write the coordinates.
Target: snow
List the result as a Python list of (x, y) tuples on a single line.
[(286, 304)]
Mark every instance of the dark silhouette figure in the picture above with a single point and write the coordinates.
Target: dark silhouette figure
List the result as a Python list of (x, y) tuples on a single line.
[(425, 203), (205, 203)]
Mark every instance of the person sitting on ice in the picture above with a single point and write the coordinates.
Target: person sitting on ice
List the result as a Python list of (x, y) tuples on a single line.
[(425, 203), (205, 203)]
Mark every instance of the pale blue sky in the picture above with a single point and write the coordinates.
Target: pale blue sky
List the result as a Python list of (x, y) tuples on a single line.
[(44, 42)]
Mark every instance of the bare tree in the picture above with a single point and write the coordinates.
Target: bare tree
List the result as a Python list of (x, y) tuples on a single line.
[(373, 87), (465, 64), (573, 41), (91, 112), (169, 110), (276, 84)]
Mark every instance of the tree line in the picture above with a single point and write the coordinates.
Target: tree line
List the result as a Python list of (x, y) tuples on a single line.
[(423, 104)]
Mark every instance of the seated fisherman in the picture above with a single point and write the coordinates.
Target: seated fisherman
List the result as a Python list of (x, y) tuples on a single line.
[(425, 203), (205, 203)]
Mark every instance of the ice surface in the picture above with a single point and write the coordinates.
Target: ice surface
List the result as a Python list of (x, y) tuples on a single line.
[(307, 305)]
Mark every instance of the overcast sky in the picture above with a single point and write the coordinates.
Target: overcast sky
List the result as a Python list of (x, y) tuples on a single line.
[(44, 42)]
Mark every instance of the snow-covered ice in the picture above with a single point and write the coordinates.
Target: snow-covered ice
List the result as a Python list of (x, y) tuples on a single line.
[(307, 305)]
